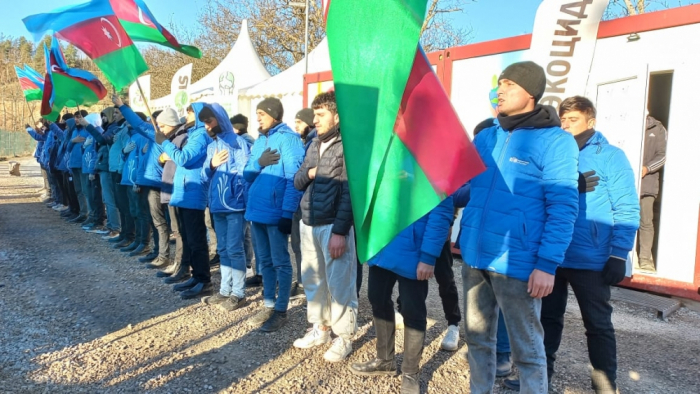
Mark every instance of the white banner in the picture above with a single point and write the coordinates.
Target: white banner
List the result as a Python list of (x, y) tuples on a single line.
[(563, 43), (179, 89), (137, 102)]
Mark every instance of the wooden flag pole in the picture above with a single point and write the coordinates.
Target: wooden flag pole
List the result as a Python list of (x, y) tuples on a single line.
[(31, 113), (148, 109)]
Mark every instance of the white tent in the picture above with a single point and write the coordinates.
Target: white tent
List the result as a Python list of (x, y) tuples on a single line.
[(288, 86), (239, 69)]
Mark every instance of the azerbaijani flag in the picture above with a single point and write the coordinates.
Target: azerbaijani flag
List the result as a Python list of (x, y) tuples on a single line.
[(31, 87), (65, 86), (93, 28), (141, 25), (409, 151)]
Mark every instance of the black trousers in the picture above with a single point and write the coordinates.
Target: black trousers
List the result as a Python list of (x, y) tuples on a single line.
[(182, 251), (193, 231), (161, 233), (144, 218), (593, 298), (413, 294), (447, 288), (70, 193), (122, 198)]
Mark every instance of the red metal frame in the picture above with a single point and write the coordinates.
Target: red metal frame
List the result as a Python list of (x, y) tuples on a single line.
[(314, 78)]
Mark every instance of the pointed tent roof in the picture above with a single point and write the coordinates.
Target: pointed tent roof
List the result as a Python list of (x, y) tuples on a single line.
[(291, 80), (241, 67)]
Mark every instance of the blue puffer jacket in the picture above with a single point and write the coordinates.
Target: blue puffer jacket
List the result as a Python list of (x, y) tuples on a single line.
[(55, 158), (40, 139), (116, 158), (76, 150), (150, 172), (227, 188), (179, 138), (63, 155), (272, 194), (90, 152), (104, 142), (608, 216), (422, 241), (131, 162), (189, 189), (522, 209)]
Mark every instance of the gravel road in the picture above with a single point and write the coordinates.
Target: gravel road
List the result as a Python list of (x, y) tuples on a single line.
[(79, 317)]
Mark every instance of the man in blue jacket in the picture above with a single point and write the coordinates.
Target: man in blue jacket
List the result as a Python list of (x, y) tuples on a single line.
[(189, 196), (223, 169), (409, 260), (516, 227), (272, 201), (603, 237), (75, 165)]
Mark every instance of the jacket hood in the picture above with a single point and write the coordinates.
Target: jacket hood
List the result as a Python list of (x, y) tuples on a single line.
[(197, 107), (598, 139), (109, 114), (652, 122), (70, 125), (222, 118)]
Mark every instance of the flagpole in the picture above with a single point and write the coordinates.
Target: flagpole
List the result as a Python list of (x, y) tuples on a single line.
[(148, 109), (31, 114)]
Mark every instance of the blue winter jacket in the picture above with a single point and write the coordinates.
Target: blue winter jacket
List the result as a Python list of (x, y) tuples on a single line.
[(131, 161), (103, 143), (63, 155), (55, 157), (227, 188), (522, 209), (189, 188), (90, 152), (40, 139), (422, 241), (76, 150), (272, 195), (150, 172), (116, 158), (608, 216)]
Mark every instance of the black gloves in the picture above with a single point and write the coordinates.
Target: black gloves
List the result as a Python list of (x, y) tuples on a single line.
[(614, 271), (587, 182), (268, 158), (27, 126), (285, 225)]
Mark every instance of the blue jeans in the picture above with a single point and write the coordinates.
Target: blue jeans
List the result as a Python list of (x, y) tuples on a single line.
[(484, 293), (109, 197), (272, 255), (502, 341), (230, 232)]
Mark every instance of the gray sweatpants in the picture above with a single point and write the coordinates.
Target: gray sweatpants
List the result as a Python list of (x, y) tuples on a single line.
[(329, 283)]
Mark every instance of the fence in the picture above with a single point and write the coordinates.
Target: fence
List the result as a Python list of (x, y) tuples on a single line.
[(16, 143)]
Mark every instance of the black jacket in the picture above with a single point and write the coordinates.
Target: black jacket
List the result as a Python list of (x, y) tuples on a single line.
[(654, 156), (326, 198)]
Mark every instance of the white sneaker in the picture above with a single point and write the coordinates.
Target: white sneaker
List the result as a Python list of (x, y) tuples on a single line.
[(339, 350), (451, 340), (63, 208), (57, 207), (398, 320), (314, 337), (249, 272)]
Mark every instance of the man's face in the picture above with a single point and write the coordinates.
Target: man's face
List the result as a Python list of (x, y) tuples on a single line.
[(513, 99), (300, 126), (117, 115), (576, 122), (167, 130), (324, 120), (264, 120), (190, 117), (212, 126), (78, 118)]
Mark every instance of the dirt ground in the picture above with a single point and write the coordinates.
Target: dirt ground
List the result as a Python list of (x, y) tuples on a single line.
[(79, 317)]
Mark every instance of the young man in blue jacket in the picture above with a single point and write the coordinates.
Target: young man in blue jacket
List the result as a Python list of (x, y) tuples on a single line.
[(516, 227), (75, 152), (272, 201), (597, 257), (409, 260), (189, 196), (223, 169)]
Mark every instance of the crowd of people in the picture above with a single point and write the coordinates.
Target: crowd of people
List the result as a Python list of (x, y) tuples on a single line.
[(556, 206)]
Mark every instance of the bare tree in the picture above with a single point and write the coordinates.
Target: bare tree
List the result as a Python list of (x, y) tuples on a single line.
[(439, 30), (622, 8)]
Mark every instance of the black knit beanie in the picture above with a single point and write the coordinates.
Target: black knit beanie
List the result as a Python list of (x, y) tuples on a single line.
[(272, 107), (306, 115), (239, 122), (529, 75)]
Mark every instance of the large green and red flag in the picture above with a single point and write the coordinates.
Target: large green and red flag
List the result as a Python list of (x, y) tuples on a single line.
[(405, 148), (93, 28), (32, 84), (142, 26), (65, 86)]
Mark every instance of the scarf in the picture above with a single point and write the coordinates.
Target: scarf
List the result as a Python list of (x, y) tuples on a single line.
[(542, 116)]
